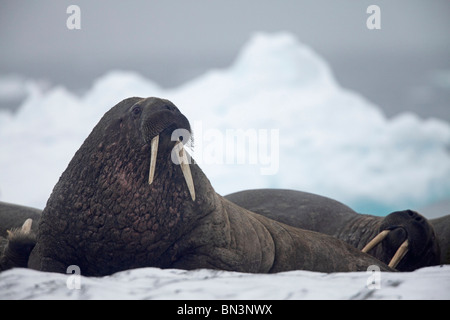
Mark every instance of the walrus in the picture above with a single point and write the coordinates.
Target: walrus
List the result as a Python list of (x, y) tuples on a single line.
[(12, 216), (441, 226), (18, 227), (17, 246), (132, 197), (404, 240)]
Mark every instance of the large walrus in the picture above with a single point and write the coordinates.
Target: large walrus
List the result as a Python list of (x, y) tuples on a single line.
[(404, 239), (131, 197)]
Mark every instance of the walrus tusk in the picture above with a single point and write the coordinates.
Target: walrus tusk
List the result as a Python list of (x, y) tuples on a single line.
[(26, 227), (154, 153), (183, 161), (399, 254), (380, 237), (401, 251)]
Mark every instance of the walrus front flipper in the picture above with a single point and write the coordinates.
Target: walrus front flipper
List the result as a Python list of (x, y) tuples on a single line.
[(16, 248)]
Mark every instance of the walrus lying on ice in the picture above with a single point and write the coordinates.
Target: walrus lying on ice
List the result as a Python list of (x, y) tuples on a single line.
[(131, 198), (404, 239), (299, 209), (17, 234)]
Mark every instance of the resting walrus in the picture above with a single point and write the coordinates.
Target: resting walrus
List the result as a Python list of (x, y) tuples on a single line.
[(13, 216), (125, 202), (404, 239), (441, 226), (17, 234), (16, 247)]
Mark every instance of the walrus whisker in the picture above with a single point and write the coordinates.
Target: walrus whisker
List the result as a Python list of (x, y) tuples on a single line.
[(25, 229), (154, 153), (183, 161), (375, 241), (398, 256)]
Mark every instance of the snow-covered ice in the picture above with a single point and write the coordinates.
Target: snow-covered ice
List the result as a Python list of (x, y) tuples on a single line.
[(153, 283)]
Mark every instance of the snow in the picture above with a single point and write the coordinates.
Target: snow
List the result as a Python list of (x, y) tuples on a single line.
[(279, 97), (153, 283)]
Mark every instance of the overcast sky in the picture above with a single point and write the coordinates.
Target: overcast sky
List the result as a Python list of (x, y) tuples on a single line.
[(403, 66)]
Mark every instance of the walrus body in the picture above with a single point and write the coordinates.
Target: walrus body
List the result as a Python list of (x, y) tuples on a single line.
[(119, 205), (442, 228), (312, 212)]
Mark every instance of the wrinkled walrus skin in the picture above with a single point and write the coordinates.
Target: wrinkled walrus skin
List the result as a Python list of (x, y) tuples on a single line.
[(441, 226), (312, 212), (104, 216)]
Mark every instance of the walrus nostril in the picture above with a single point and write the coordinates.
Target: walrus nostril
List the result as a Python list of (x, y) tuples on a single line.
[(414, 215)]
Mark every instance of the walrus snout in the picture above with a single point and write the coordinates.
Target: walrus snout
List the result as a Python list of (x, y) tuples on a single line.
[(159, 116), (407, 235), (160, 119)]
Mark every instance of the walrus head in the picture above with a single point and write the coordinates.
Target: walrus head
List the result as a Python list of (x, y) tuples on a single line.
[(17, 246), (127, 196), (408, 241), (158, 116)]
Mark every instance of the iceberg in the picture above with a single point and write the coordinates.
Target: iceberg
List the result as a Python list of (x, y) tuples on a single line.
[(275, 118)]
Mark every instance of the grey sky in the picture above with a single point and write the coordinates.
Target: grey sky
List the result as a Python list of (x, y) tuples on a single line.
[(173, 41)]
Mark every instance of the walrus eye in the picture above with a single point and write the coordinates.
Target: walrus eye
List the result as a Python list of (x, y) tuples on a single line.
[(136, 110)]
